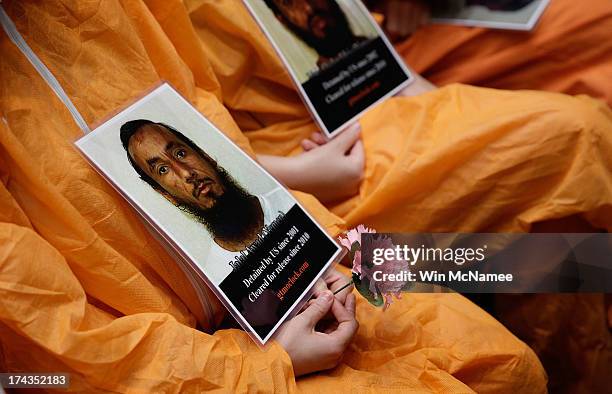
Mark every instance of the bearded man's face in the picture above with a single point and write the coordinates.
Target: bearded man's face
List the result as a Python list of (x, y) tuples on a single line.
[(194, 182), (184, 174), (315, 16), (321, 24)]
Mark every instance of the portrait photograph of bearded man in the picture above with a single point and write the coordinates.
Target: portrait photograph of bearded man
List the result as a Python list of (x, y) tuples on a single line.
[(190, 179), (313, 33)]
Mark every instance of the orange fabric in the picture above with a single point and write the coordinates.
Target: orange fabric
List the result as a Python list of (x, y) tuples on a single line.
[(455, 159), (569, 51), (85, 289), (570, 334), (427, 343), (461, 158)]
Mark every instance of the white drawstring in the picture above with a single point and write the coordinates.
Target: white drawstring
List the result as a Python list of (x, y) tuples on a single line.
[(17, 39)]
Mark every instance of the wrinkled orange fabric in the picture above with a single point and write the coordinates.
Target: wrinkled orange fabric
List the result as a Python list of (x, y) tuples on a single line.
[(465, 159), (570, 334), (85, 289), (456, 159), (569, 51)]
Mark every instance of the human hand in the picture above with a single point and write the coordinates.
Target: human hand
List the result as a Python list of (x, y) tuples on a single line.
[(311, 350), (330, 170), (316, 139), (333, 280), (333, 170)]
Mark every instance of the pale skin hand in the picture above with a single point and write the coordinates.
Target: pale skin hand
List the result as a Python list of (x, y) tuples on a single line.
[(419, 86), (311, 350), (333, 280), (331, 172)]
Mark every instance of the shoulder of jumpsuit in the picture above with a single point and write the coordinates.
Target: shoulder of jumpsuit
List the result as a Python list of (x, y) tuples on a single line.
[(217, 266), (275, 202)]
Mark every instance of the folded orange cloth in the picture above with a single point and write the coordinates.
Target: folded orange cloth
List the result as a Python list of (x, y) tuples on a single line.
[(85, 289), (569, 51)]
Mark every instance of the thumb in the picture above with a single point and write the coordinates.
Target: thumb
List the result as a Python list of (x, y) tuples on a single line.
[(308, 145), (318, 309), (357, 154), (319, 288), (347, 138)]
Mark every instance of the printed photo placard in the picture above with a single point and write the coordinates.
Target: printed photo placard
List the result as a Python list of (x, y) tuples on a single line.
[(231, 222), (339, 59), (494, 14)]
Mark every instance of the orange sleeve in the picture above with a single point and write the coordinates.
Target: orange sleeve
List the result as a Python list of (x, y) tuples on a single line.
[(48, 323)]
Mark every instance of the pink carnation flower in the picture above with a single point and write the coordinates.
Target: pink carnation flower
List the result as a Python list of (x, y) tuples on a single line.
[(387, 288), (352, 236)]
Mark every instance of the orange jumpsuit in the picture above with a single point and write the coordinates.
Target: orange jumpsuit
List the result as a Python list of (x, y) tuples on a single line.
[(85, 289)]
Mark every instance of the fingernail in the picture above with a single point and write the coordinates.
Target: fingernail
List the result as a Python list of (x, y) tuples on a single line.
[(326, 296)]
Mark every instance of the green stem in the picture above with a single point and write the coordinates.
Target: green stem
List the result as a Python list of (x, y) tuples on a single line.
[(343, 287)]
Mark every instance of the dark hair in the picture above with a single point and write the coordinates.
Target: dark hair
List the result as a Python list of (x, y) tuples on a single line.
[(131, 127), (325, 47), (272, 6)]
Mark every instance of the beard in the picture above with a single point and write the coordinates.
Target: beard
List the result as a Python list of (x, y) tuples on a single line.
[(232, 216), (338, 35)]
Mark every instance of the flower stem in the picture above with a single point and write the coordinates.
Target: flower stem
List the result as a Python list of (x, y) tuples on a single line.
[(343, 287)]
